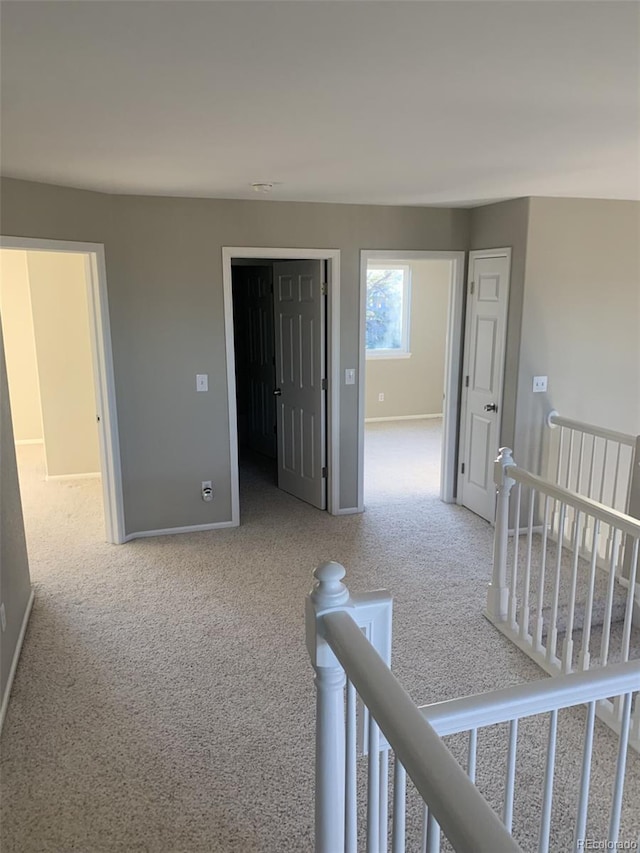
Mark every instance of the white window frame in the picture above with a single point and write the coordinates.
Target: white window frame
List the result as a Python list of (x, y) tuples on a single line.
[(403, 351)]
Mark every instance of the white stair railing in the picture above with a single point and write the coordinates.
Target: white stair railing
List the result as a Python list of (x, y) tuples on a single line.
[(598, 463), (344, 656), (553, 598), (593, 461), (341, 633), (513, 704)]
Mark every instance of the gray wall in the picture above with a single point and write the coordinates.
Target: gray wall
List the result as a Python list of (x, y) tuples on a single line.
[(581, 318), (497, 226), (164, 268), (15, 584)]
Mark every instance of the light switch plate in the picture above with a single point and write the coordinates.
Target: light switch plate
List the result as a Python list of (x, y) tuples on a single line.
[(350, 376), (539, 384), (202, 382)]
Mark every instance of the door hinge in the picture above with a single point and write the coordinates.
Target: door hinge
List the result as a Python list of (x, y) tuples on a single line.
[(472, 287), (324, 289), (466, 381), (324, 473), (462, 468), (324, 385)]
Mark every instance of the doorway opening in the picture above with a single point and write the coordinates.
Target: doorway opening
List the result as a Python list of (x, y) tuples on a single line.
[(281, 328), (410, 355), (57, 350)]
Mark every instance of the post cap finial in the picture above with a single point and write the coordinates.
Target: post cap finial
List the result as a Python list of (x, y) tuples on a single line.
[(554, 413), (505, 456), (329, 591)]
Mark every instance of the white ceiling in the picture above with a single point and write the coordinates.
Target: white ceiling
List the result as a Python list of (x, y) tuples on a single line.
[(373, 102)]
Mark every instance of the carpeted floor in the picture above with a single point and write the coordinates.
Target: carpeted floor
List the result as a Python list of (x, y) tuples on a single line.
[(164, 700)]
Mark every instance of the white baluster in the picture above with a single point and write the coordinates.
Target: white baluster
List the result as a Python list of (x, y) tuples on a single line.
[(384, 801), (373, 788), (584, 658), (552, 639), (351, 801), (513, 598), (433, 835), (567, 646), (585, 778), (618, 786), (328, 593), (538, 645), (399, 807), (510, 782), (608, 609), (498, 594), (547, 797), (526, 586)]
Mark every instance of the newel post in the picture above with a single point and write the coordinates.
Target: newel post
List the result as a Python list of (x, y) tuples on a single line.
[(498, 594), (328, 593)]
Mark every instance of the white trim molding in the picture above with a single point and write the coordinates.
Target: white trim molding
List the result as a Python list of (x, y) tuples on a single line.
[(403, 418), (453, 357), (21, 442), (92, 475), (332, 256), (100, 335), (16, 658), (172, 531)]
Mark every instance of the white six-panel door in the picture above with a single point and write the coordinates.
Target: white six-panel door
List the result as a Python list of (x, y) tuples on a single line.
[(299, 308), (483, 374)]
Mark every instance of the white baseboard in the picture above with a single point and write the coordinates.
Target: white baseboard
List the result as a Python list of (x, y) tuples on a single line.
[(522, 531), (349, 510), (403, 418), (16, 657), (21, 441), (92, 475), (170, 531)]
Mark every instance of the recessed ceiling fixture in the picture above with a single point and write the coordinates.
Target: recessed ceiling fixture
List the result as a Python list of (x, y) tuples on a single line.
[(262, 187)]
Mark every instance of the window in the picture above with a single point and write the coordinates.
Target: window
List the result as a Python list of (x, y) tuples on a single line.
[(387, 311)]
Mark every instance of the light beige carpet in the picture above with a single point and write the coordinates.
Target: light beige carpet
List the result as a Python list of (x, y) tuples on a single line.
[(164, 700)]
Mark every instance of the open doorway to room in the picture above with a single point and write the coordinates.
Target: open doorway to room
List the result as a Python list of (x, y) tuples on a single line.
[(411, 342), (60, 387), (279, 310)]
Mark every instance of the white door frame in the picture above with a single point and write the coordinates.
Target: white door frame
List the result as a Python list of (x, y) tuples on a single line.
[(452, 362), (333, 362), (100, 335), (483, 253)]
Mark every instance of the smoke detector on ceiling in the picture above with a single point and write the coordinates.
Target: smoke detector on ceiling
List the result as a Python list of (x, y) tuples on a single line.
[(262, 187)]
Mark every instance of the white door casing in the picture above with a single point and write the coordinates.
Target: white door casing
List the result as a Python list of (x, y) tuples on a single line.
[(483, 376), (299, 309)]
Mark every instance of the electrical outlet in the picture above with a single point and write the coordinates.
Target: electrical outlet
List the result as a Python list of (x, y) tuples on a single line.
[(381, 397), (3, 617), (207, 491), (539, 384)]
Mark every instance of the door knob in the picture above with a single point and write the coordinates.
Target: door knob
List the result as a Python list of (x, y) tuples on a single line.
[(277, 392), (491, 407)]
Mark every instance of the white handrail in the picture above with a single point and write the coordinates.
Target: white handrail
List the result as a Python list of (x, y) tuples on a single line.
[(586, 505), (538, 697), (464, 815), (554, 419)]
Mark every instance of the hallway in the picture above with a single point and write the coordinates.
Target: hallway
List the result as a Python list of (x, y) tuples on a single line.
[(164, 700)]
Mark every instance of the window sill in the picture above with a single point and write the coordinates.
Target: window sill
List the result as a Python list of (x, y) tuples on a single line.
[(376, 355)]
